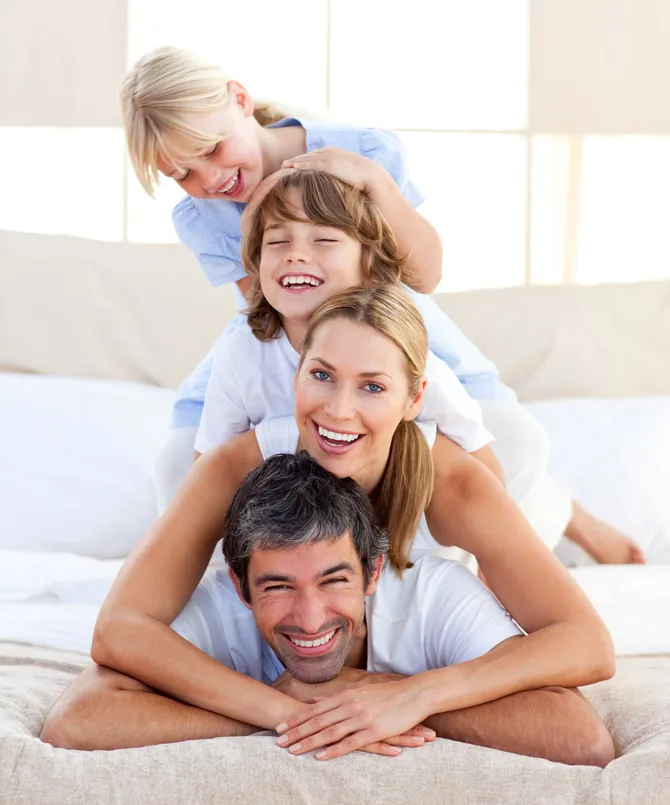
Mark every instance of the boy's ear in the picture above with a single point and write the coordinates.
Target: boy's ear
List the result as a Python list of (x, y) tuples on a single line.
[(238, 587), (241, 97), (414, 408)]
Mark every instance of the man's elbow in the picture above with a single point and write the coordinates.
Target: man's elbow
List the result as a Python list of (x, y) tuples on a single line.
[(583, 740)]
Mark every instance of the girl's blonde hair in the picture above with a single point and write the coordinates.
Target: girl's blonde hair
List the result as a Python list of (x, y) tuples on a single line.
[(157, 92), (327, 201), (404, 492)]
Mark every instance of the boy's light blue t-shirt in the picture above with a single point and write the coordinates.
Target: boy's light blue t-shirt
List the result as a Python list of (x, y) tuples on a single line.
[(210, 228)]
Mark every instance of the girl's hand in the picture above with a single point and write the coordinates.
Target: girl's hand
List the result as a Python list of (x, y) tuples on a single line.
[(354, 719), (259, 194), (354, 169)]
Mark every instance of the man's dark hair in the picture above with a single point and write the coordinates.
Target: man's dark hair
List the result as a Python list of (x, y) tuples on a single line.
[(290, 500)]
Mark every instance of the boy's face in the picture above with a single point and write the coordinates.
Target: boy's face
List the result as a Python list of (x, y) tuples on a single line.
[(303, 264)]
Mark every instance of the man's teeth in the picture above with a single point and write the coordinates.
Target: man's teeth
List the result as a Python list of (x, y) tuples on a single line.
[(311, 643), (230, 183), (300, 280), (338, 437)]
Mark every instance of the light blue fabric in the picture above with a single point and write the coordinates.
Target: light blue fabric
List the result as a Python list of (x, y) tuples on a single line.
[(211, 229)]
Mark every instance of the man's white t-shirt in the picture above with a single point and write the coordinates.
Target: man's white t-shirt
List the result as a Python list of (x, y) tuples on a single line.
[(437, 615), (252, 381)]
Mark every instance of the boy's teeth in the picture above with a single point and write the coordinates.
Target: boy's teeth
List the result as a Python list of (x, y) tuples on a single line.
[(338, 437), (311, 643), (300, 280)]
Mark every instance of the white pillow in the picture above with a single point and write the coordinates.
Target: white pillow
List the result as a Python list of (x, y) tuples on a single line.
[(77, 463), (613, 456)]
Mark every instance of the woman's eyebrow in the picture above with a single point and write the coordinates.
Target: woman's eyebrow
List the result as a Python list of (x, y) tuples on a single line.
[(331, 368)]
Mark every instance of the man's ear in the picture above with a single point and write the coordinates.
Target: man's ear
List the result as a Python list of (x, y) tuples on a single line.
[(414, 408), (241, 97), (374, 577), (238, 587)]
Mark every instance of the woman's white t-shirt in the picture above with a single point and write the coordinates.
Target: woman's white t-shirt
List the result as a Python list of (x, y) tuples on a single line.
[(252, 381)]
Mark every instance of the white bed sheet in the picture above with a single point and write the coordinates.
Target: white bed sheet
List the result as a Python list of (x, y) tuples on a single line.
[(53, 600)]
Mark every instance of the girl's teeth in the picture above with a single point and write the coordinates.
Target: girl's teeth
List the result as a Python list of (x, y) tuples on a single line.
[(338, 437), (230, 183)]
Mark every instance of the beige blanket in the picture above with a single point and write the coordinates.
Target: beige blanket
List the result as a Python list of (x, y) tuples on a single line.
[(635, 706)]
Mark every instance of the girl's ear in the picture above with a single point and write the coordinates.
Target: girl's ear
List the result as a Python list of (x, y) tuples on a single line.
[(241, 97), (415, 405)]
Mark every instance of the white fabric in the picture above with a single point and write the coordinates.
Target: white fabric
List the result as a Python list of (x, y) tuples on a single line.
[(52, 600), (282, 436), (252, 380), (77, 463), (613, 456), (438, 615), (522, 447)]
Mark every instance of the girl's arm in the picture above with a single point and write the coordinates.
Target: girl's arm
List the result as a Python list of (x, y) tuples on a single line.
[(417, 238), (133, 634), (471, 509)]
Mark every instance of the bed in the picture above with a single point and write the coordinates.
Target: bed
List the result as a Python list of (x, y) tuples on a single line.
[(85, 398)]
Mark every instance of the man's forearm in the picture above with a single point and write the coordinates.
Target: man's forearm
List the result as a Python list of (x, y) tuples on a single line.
[(553, 723), (103, 709)]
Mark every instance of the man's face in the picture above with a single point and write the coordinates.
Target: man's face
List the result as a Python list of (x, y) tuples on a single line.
[(309, 604)]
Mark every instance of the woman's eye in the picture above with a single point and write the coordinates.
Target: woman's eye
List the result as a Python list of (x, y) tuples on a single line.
[(320, 374), (374, 388)]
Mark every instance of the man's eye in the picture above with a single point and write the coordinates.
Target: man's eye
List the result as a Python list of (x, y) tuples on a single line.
[(337, 580), (275, 588)]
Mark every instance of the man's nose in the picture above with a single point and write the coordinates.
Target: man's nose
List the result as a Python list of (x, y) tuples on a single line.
[(310, 613)]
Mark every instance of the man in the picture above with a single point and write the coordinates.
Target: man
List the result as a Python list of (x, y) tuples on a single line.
[(307, 608)]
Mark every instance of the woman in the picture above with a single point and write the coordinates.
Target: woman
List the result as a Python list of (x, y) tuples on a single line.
[(371, 397)]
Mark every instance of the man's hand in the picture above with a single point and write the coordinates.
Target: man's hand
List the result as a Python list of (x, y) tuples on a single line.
[(356, 718), (352, 679)]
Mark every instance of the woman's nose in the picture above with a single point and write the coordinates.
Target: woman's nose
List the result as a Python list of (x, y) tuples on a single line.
[(339, 405)]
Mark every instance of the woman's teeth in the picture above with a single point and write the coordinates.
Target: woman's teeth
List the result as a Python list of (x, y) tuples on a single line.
[(338, 437), (228, 186), (300, 280), (311, 643)]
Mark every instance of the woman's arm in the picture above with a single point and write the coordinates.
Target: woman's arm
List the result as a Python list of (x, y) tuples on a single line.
[(471, 509), (133, 634)]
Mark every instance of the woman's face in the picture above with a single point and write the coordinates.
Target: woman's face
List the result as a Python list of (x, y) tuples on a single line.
[(233, 168), (351, 393), (303, 264)]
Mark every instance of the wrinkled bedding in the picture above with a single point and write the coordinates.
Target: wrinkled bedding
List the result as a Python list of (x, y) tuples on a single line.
[(635, 706)]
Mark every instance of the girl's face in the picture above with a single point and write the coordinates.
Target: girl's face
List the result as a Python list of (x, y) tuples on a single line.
[(351, 392), (303, 264), (231, 169)]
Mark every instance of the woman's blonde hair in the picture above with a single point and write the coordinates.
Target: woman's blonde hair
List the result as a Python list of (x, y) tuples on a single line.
[(327, 201), (404, 492), (157, 92)]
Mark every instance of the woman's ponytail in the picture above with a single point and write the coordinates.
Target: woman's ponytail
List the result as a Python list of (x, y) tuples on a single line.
[(404, 492)]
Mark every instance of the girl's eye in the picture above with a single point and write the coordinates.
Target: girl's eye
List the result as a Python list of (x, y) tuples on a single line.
[(212, 152), (374, 388), (320, 374), (183, 177)]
